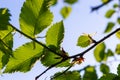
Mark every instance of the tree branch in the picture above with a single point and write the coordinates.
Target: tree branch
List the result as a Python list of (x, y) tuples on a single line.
[(79, 54), (97, 42), (99, 6), (35, 41)]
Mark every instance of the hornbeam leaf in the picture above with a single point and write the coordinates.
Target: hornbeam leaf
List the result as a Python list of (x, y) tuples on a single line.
[(118, 20), (4, 18), (99, 52), (109, 76), (24, 58), (54, 38), (55, 35), (118, 34), (35, 16), (109, 27), (70, 1), (65, 11), (6, 45), (69, 75), (117, 50), (84, 41), (109, 13), (104, 68), (90, 73)]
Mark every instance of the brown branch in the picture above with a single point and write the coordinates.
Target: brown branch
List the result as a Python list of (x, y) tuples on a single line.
[(33, 39)]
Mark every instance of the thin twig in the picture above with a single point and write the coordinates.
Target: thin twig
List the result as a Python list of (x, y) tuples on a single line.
[(97, 42), (99, 6), (35, 40)]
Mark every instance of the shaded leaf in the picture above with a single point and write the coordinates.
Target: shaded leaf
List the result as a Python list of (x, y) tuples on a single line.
[(70, 1), (109, 76), (109, 13), (35, 16), (4, 18), (118, 34), (110, 53), (118, 20), (99, 52), (115, 5), (104, 68), (24, 58), (50, 58), (65, 11), (6, 45), (118, 70), (84, 41), (109, 27), (69, 75), (117, 50), (90, 73)]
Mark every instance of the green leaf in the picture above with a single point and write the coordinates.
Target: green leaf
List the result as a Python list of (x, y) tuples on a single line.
[(109, 13), (70, 1), (117, 50), (4, 18), (104, 1), (110, 53), (104, 68), (54, 38), (109, 27), (115, 5), (84, 41), (65, 11), (118, 34), (118, 70), (50, 58), (118, 20), (55, 35), (69, 75), (109, 76), (99, 52), (24, 58), (90, 73), (35, 16)]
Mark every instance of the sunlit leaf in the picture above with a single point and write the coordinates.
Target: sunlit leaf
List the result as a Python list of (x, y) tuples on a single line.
[(109, 27), (35, 16), (55, 35), (117, 50), (65, 11), (109, 76), (118, 20), (24, 58), (4, 18), (6, 45), (70, 1), (104, 68), (118, 34), (84, 41), (54, 38), (99, 52), (104, 1), (69, 75), (109, 13), (90, 73)]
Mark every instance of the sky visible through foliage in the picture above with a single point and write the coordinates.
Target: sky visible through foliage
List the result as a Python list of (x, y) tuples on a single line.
[(80, 21)]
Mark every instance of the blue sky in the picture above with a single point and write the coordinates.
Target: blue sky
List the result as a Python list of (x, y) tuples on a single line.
[(81, 20)]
